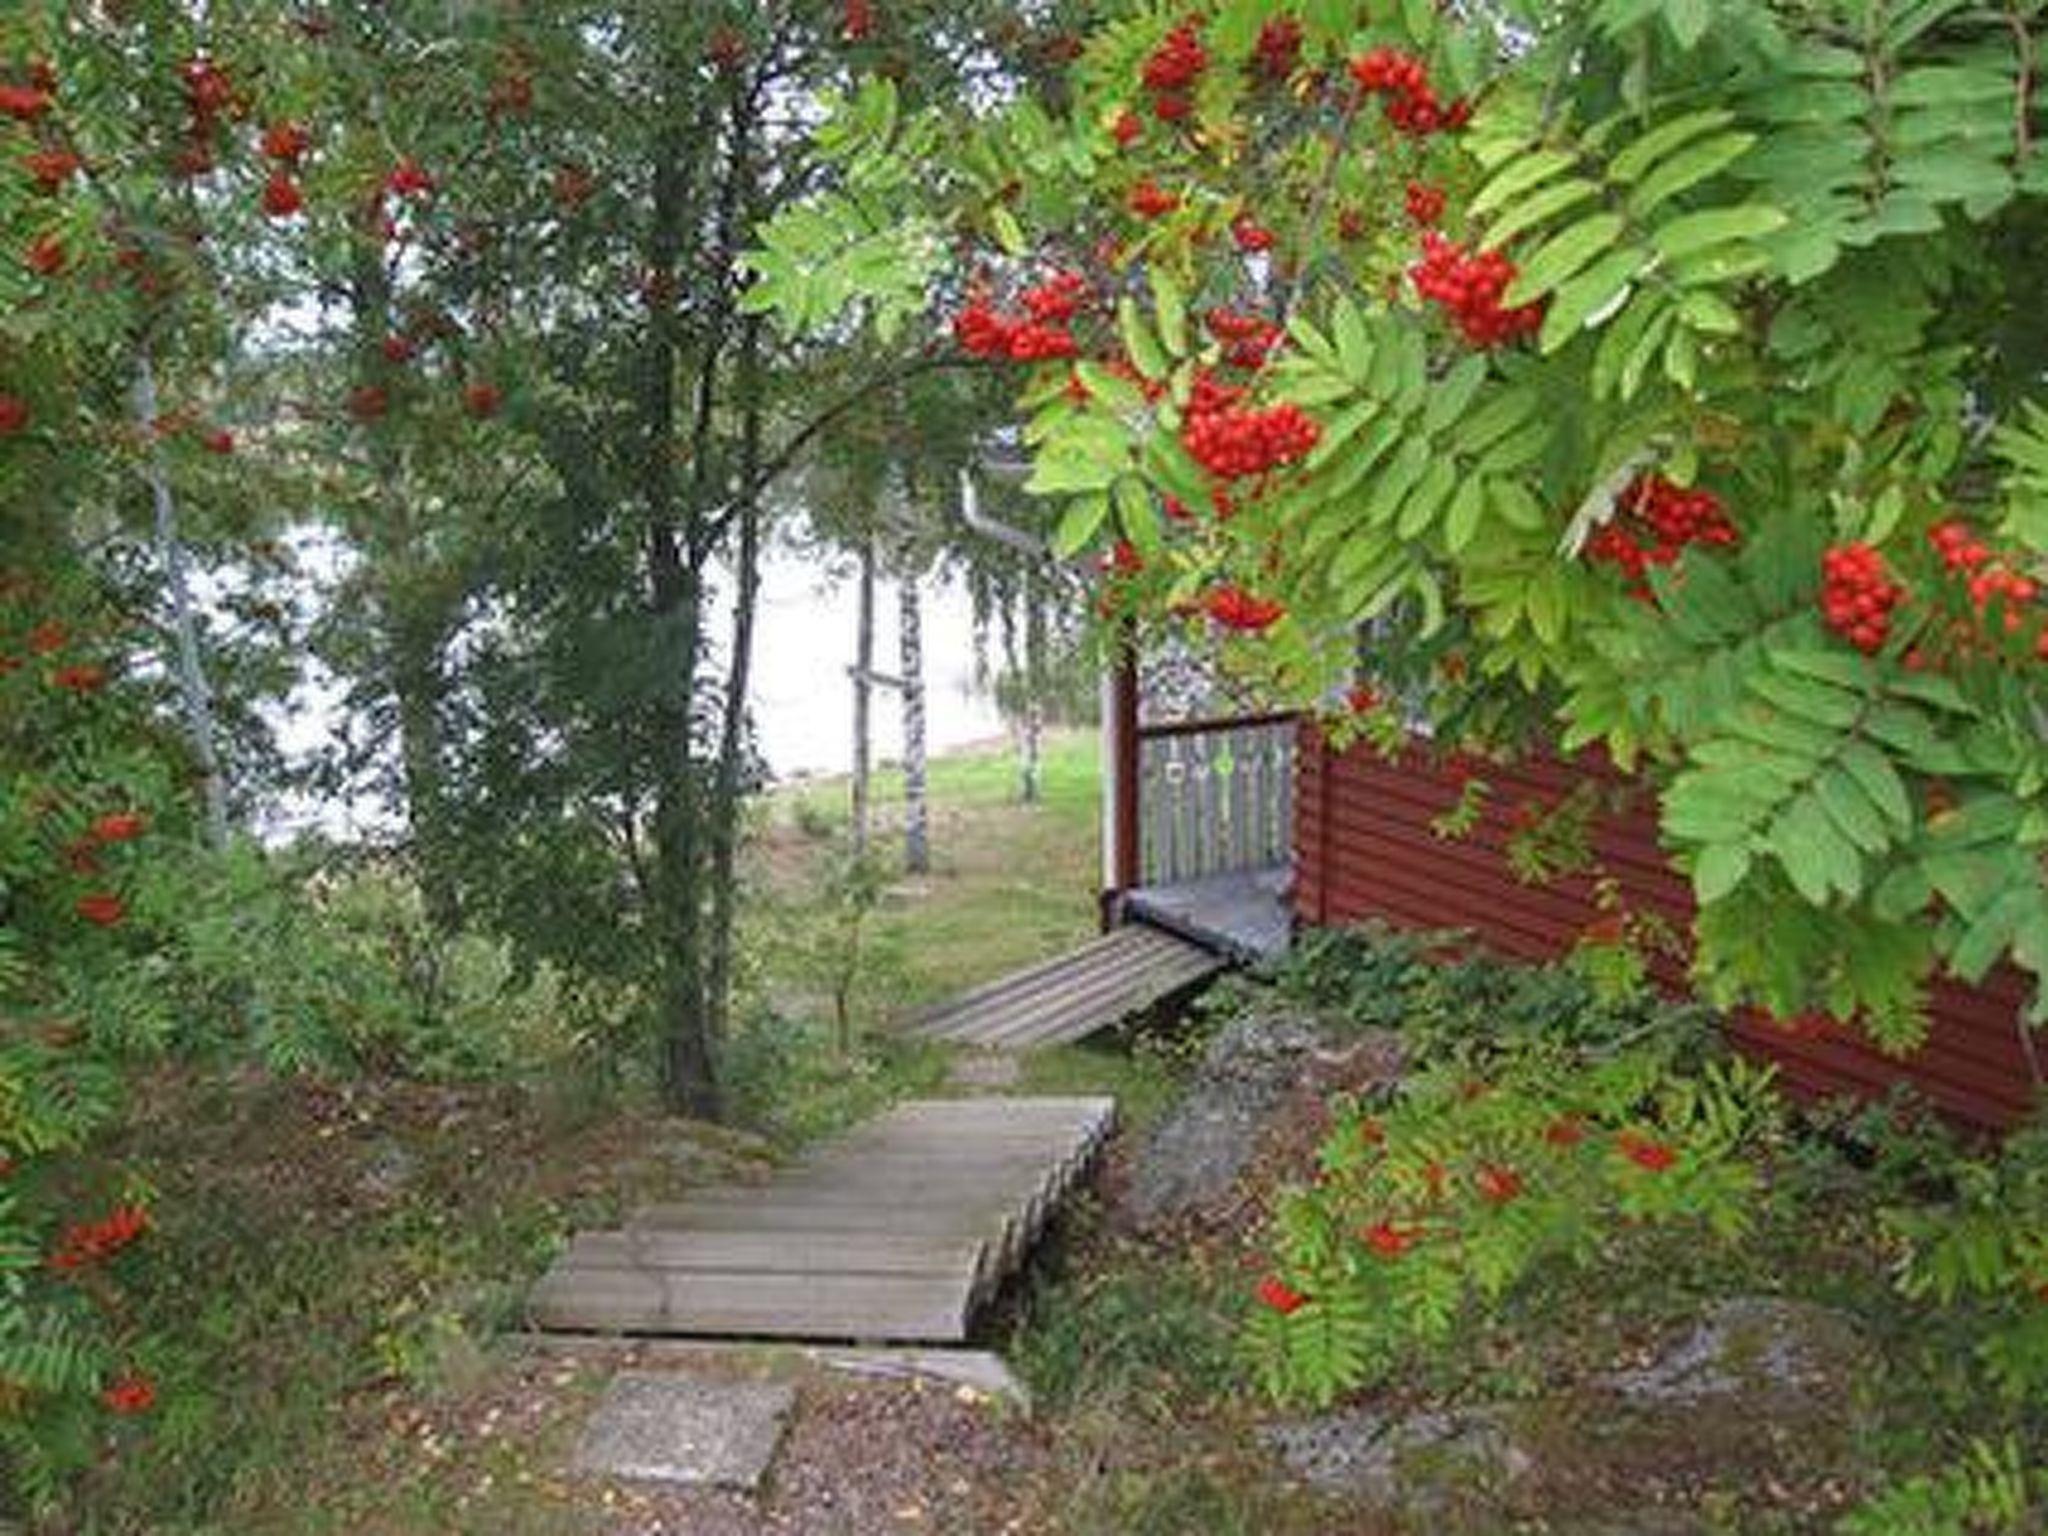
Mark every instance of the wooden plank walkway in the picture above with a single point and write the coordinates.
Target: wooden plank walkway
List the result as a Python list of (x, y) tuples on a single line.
[(898, 1231), (1075, 994)]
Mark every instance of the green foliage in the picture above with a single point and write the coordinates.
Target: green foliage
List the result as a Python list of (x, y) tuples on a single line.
[(1777, 252), (1450, 1002), (1990, 1491), (1447, 1200), (1143, 1338), (1986, 1248)]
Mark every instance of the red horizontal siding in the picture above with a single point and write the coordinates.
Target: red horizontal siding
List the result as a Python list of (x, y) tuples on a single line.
[(1364, 848)]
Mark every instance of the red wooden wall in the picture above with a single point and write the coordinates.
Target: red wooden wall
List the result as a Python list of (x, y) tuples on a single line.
[(1364, 848)]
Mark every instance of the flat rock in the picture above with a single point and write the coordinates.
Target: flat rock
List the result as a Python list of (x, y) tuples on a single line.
[(1766, 1348), (1411, 1463), (665, 1427)]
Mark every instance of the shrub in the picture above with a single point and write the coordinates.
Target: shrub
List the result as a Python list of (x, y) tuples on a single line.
[(1439, 1205)]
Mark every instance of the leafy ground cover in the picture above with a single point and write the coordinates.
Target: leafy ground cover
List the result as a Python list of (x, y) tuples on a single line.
[(335, 1261), (1143, 1333)]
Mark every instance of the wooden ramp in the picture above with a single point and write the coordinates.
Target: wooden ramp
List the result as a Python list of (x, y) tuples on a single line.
[(898, 1231), (1075, 994)]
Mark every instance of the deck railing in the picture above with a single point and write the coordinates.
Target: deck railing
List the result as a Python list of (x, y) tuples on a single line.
[(1213, 797)]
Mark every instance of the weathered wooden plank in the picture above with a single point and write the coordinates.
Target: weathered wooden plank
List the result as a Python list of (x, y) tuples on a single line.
[(1092, 971), (1107, 950), (707, 1211), (778, 1253), (1096, 1000), (1083, 1011), (629, 1300)]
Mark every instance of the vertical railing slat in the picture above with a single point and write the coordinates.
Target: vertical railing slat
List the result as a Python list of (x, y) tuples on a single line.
[(1215, 802)]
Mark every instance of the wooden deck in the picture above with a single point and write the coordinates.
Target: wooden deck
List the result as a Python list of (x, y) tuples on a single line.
[(1075, 994), (1244, 914), (899, 1231)]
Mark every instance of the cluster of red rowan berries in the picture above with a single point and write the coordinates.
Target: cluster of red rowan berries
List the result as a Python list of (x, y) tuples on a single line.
[(1148, 200), (1412, 104), (50, 164), (1233, 441), (1425, 203), (1655, 520), (1469, 284), (210, 98), (90, 1242), (1277, 50), (284, 144), (1248, 340), (1037, 335), (1964, 554), (1249, 235), (1172, 70), (26, 101), (1858, 595), (1234, 608)]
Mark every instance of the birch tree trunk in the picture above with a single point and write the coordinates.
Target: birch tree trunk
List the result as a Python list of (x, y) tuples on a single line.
[(194, 694), (1034, 692), (917, 854), (863, 693)]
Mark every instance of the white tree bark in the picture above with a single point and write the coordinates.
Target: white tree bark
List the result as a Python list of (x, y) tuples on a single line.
[(917, 853), (195, 696), (863, 693)]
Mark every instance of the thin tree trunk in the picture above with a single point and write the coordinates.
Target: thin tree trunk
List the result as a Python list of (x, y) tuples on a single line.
[(917, 853), (411, 634), (195, 695), (1034, 691), (689, 1068), (725, 811), (863, 692)]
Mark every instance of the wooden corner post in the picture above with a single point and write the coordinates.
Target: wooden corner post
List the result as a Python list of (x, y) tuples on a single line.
[(1120, 871)]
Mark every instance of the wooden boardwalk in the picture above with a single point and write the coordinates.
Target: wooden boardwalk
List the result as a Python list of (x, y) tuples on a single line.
[(899, 1231), (1075, 994)]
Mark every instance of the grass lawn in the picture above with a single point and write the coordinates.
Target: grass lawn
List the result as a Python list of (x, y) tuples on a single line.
[(1010, 883)]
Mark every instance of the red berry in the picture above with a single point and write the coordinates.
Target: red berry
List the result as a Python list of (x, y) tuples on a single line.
[(51, 168), (1177, 62), (14, 414), (1235, 608), (130, 1394), (281, 196), (573, 186), (482, 399), (1497, 1185), (102, 908), (23, 103), (1250, 235), (409, 179), (46, 256), (1645, 1152), (119, 827), (220, 441), (1147, 201), (286, 142), (1278, 49), (1280, 1296)]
